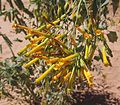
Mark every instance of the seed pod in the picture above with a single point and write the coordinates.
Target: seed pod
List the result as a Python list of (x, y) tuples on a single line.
[(105, 61), (37, 81)]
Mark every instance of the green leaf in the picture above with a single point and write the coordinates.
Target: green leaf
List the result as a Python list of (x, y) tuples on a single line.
[(19, 4), (10, 3), (18, 40), (105, 3), (7, 40), (97, 58), (100, 54), (0, 5), (0, 48), (12, 82), (115, 4), (9, 16), (109, 52), (80, 49), (112, 36)]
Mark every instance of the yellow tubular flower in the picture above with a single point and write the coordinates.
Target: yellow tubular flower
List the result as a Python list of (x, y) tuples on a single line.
[(88, 76), (37, 53), (40, 57), (30, 45), (80, 30), (28, 35), (44, 57), (56, 77), (38, 39), (69, 57), (73, 16), (87, 36), (67, 76), (73, 41), (50, 25), (98, 32), (59, 19), (52, 60), (86, 52), (59, 36), (105, 61), (89, 49), (59, 11), (34, 32), (66, 6), (37, 81), (59, 65), (30, 63), (65, 50), (33, 45), (37, 47), (22, 50), (92, 51), (30, 31), (86, 73), (20, 26)]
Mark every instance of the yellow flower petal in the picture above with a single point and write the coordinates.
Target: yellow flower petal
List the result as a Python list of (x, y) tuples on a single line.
[(87, 36), (86, 51), (88, 76), (105, 61), (98, 32), (37, 81), (30, 63)]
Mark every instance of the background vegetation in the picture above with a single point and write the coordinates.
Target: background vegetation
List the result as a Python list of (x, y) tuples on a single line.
[(63, 35)]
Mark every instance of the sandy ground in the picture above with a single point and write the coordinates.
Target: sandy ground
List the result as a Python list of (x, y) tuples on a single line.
[(112, 81), (113, 73)]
